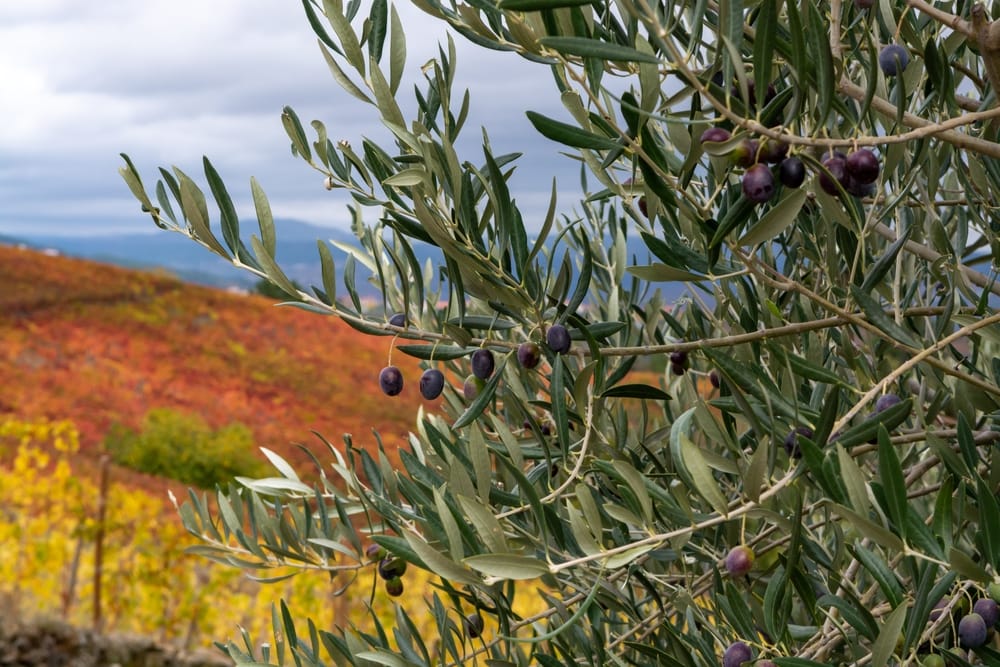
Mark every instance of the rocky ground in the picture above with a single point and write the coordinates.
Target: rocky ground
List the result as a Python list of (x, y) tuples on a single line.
[(55, 644)]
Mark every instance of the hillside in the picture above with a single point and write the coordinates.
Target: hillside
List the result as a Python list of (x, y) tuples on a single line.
[(99, 344)]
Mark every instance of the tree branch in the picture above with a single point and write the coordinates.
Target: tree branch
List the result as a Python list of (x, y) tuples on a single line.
[(956, 23), (986, 35), (923, 252)]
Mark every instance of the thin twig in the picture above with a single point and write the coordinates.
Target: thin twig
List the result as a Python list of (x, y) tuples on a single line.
[(956, 23), (903, 368)]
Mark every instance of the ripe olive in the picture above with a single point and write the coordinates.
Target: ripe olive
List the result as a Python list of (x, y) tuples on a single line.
[(893, 59), (529, 354), (483, 364), (739, 560), (758, 184), (792, 440), (558, 339), (863, 166), (391, 380), (431, 383), (736, 654), (474, 625), (791, 172)]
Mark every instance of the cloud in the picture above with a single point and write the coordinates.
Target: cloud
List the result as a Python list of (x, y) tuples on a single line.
[(168, 81)]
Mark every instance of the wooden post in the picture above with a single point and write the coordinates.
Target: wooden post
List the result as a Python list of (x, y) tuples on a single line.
[(102, 504)]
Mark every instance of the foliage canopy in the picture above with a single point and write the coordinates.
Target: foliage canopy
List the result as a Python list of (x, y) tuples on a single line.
[(183, 447), (849, 324)]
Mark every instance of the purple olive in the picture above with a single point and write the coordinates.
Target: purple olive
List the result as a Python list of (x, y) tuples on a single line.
[(431, 383), (859, 190), (529, 354), (758, 184), (745, 153), (989, 610), (715, 135), (394, 587), (792, 440), (474, 625), (678, 362), (398, 320), (835, 171), (886, 401), (791, 172), (391, 380), (893, 59), (714, 379), (472, 387), (739, 560), (972, 631), (773, 151), (736, 654), (483, 364), (558, 339), (375, 552), (390, 567), (863, 166)]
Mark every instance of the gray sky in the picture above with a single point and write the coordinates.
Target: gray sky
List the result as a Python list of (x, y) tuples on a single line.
[(168, 81)]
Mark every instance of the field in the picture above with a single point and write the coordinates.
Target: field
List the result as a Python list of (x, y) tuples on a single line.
[(99, 345), (86, 346)]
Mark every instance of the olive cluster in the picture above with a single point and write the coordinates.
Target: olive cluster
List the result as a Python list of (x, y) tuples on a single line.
[(390, 569), (854, 173), (755, 155), (482, 361), (976, 625), (973, 628), (767, 161)]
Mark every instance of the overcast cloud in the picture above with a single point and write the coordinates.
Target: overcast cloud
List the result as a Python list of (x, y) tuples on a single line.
[(168, 81)]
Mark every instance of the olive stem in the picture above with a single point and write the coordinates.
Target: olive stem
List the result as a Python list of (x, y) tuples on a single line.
[(734, 512), (577, 466), (910, 363), (787, 284)]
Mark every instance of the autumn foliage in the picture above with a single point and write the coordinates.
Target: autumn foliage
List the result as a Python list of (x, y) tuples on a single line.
[(101, 345)]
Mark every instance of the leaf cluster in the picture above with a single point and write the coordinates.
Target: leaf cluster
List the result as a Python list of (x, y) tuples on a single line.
[(832, 393)]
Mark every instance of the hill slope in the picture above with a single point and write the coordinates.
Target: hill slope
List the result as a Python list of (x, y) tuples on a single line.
[(99, 344)]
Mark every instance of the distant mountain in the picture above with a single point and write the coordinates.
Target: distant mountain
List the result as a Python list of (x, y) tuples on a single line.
[(180, 256), (296, 254)]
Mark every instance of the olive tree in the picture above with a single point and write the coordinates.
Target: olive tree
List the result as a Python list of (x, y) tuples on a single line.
[(795, 463)]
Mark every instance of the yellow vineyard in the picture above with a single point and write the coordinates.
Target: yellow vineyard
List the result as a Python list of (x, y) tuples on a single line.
[(129, 572)]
